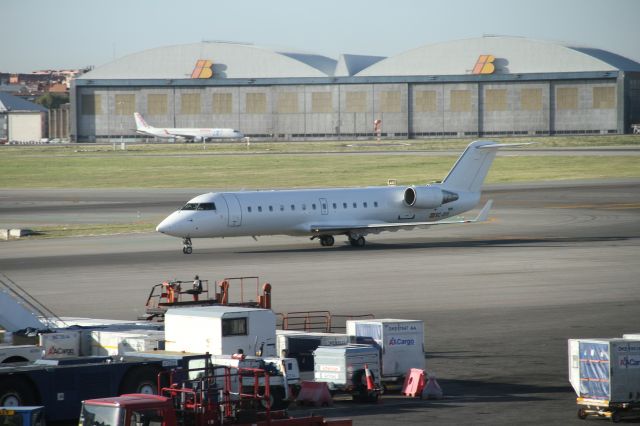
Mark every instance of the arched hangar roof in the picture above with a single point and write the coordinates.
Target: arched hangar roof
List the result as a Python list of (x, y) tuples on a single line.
[(513, 55), (230, 60)]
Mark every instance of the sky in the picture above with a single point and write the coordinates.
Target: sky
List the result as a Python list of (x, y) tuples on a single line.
[(63, 34)]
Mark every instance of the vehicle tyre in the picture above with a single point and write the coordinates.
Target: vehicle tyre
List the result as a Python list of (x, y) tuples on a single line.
[(276, 399), (16, 391), (582, 413), (616, 416), (141, 380)]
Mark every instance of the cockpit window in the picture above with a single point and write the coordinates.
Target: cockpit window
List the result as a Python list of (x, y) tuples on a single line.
[(206, 206), (199, 206)]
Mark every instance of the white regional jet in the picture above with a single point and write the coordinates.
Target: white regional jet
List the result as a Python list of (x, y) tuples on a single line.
[(323, 213), (186, 133)]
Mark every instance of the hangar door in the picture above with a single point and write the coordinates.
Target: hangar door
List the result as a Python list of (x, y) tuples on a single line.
[(25, 126)]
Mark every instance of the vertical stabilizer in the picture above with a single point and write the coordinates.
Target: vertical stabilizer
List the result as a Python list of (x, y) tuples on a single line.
[(140, 123), (469, 172)]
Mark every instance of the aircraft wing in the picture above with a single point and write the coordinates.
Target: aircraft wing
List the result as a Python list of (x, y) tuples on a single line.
[(373, 227)]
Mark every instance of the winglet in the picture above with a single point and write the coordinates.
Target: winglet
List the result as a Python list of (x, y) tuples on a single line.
[(484, 213)]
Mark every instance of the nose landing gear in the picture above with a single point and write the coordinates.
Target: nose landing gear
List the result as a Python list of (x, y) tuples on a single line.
[(186, 246)]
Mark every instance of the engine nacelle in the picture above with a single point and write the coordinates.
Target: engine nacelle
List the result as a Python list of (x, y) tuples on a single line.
[(428, 197)]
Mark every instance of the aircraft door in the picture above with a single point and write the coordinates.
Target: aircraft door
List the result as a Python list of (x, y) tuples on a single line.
[(234, 210), (324, 206)]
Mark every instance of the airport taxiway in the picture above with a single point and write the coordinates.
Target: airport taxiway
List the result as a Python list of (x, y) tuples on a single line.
[(499, 299)]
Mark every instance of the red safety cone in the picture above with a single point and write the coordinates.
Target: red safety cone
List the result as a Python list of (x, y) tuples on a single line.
[(370, 384)]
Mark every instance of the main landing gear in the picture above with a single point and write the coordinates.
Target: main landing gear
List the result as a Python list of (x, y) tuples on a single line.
[(357, 240), (186, 246)]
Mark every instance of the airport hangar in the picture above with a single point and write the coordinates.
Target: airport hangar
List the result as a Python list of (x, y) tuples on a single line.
[(487, 86)]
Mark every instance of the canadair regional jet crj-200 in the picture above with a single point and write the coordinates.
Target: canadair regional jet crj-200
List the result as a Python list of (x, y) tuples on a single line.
[(323, 213), (185, 133)]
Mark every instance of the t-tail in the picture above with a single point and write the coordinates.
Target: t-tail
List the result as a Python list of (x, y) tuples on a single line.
[(140, 123), (469, 172)]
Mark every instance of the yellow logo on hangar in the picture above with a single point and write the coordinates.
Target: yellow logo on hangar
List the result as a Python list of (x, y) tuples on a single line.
[(484, 65), (202, 69)]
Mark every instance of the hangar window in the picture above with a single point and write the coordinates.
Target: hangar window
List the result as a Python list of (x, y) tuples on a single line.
[(91, 105), (356, 102), (495, 100), (287, 103), (256, 103), (390, 102), (425, 101), (604, 98), (234, 326), (531, 99), (567, 97), (460, 100), (125, 104), (157, 104), (190, 103), (321, 102), (222, 103)]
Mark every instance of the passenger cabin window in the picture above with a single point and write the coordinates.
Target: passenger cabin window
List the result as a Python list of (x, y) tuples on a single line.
[(375, 204), (293, 207), (281, 207), (260, 209), (270, 208), (335, 206), (234, 327), (344, 205), (364, 204), (304, 207), (313, 206), (249, 209), (355, 205)]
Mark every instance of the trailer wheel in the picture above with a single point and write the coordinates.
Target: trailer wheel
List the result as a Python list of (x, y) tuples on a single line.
[(582, 413), (141, 380), (15, 392)]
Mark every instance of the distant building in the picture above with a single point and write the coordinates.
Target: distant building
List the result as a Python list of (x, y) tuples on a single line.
[(21, 120), (486, 86)]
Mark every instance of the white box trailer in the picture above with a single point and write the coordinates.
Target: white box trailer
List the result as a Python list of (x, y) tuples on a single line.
[(400, 341), (343, 368), (221, 330), (606, 370)]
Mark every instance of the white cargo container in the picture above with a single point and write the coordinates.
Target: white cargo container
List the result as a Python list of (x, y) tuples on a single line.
[(109, 342), (301, 344), (606, 370), (61, 344), (401, 343), (221, 330), (342, 367)]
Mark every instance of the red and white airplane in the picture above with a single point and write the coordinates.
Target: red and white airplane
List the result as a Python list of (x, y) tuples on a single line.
[(194, 134)]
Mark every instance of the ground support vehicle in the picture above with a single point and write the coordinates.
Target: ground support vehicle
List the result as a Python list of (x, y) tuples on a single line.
[(189, 293), (19, 353), (605, 373), (22, 416), (343, 369), (60, 385), (211, 399), (301, 344)]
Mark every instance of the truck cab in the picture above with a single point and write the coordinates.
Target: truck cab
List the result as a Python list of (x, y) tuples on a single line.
[(128, 410)]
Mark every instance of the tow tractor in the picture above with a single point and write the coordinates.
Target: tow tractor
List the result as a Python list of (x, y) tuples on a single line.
[(188, 293), (210, 396)]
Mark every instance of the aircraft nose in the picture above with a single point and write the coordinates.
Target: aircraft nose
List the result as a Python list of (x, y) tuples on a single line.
[(171, 225)]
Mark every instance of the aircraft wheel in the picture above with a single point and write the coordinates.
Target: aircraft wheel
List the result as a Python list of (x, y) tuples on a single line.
[(327, 240), (357, 242), (187, 250)]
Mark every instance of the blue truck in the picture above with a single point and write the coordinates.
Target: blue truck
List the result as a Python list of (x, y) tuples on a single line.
[(61, 385)]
